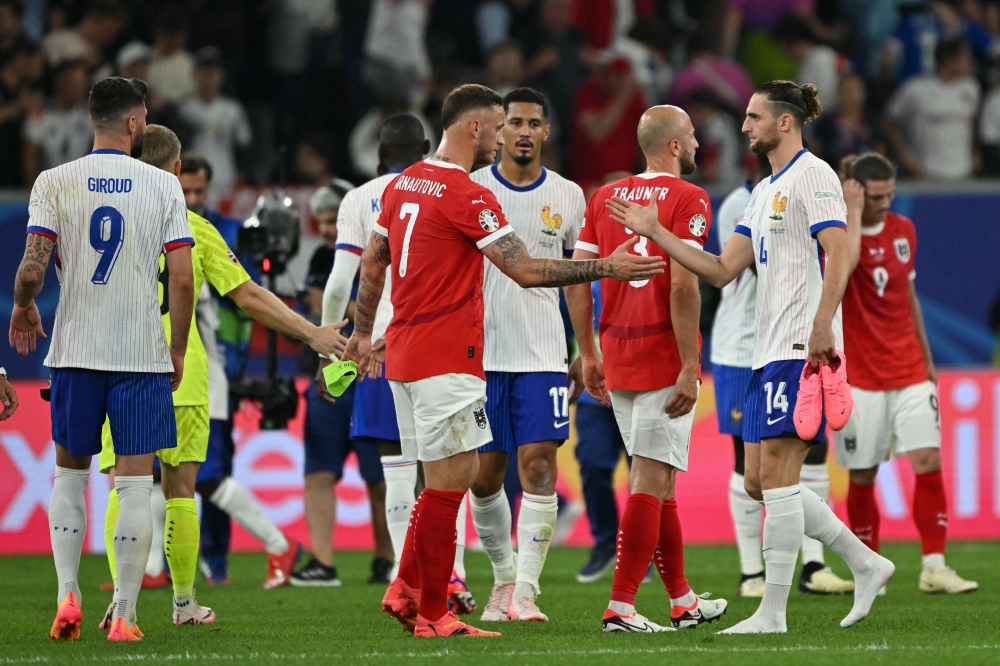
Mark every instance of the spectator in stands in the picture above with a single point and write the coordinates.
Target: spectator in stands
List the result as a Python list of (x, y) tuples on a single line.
[(607, 109), (364, 140), (11, 36), (505, 67), (761, 16), (132, 62), (19, 99), (721, 143), (171, 69), (728, 80), (90, 41), (395, 49), (817, 63), (848, 130), (989, 133), (311, 165), (219, 124), (931, 119), (60, 132)]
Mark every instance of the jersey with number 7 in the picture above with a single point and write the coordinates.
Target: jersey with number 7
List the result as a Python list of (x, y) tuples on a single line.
[(111, 217), (438, 221)]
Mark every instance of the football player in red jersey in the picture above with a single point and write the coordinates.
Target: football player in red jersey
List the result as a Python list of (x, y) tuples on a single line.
[(435, 226), (651, 366), (892, 376)]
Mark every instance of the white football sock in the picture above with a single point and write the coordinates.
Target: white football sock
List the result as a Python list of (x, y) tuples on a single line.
[(935, 560), (233, 498), (158, 509), (536, 523), (817, 479), (822, 524), (621, 608), (747, 514), (400, 483), (491, 516), (782, 540), (460, 524), (133, 536), (68, 526)]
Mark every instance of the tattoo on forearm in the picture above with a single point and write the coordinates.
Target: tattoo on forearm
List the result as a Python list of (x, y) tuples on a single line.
[(372, 283), (31, 273), (552, 272)]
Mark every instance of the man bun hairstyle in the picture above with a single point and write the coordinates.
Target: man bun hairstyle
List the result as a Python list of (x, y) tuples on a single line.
[(526, 96), (465, 98), (192, 163), (112, 99), (160, 147), (802, 102), (866, 167)]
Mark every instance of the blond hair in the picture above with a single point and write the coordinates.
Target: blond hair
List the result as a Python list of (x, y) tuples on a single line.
[(160, 147)]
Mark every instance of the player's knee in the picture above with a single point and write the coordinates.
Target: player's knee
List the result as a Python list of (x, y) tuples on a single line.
[(751, 484), (539, 474), (926, 460), (864, 477)]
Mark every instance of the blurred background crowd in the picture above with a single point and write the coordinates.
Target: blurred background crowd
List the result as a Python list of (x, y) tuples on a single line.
[(238, 79)]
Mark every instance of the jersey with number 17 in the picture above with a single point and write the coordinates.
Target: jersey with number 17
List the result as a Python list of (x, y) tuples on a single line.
[(437, 221), (111, 217)]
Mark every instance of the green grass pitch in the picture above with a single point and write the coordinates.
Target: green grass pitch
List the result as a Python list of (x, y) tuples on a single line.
[(344, 625)]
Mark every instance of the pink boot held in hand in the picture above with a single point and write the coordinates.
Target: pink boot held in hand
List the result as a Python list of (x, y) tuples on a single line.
[(809, 403), (837, 399)]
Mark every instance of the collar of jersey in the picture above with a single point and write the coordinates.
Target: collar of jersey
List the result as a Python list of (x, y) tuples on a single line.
[(748, 186), (873, 231), (445, 165), (511, 186), (396, 172), (654, 174), (108, 151), (789, 165)]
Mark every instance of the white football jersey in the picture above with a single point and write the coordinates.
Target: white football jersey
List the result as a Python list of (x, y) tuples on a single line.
[(358, 214), (524, 329), (733, 330), (111, 217), (785, 213)]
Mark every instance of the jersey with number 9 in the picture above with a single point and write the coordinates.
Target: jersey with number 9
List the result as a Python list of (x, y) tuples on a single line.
[(437, 221)]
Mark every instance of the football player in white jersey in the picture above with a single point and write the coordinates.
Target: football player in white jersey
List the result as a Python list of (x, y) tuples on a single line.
[(732, 361), (793, 218), (528, 391), (112, 217)]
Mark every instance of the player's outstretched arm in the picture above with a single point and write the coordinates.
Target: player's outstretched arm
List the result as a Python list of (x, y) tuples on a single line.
[(822, 344), (180, 287), (580, 302), (509, 254), (716, 270), (25, 321)]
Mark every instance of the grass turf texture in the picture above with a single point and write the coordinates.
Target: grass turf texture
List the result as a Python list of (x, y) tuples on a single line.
[(345, 626)]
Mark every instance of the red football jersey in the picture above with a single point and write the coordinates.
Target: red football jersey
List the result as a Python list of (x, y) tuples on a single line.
[(637, 337), (437, 220), (880, 336)]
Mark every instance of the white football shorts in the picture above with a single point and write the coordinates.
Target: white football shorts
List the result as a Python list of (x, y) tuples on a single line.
[(648, 431), (441, 416)]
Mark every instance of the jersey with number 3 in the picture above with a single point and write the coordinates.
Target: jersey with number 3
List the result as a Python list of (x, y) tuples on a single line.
[(437, 221), (880, 336), (111, 217), (637, 335), (785, 213)]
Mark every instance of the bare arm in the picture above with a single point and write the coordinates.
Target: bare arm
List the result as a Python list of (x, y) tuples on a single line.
[(25, 321), (374, 263), (918, 320), (685, 308), (180, 292), (854, 197), (509, 254), (579, 301), (822, 344)]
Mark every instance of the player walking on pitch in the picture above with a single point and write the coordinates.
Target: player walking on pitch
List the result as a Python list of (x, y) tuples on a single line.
[(434, 227), (892, 375), (112, 217), (651, 368), (525, 361), (801, 205)]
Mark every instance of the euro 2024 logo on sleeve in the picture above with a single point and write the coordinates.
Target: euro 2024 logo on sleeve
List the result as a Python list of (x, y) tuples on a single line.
[(488, 221), (697, 225)]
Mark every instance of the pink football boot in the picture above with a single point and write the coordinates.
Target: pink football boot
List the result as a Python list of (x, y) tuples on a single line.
[(837, 399), (809, 403)]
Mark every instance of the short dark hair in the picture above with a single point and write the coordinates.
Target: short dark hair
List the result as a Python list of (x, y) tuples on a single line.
[(802, 102), (192, 163), (527, 96), (949, 49), (866, 167), (465, 98), (402, 129), (112, 98)]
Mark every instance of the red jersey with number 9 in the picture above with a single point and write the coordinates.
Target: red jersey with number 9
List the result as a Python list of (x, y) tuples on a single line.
[(880, 337), (437, 221), (637, 337)]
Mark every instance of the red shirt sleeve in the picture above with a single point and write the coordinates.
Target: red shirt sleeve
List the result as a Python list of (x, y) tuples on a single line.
[(479, 218), (692, 217), (587, 239)]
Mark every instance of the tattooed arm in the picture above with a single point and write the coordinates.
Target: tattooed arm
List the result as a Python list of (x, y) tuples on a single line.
[(25, 321), (373, 265), (509, 254)]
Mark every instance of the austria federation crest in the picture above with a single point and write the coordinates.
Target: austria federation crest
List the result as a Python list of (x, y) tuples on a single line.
[(902, 246)]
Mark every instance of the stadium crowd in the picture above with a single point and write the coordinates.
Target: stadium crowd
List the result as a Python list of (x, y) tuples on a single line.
[(916, 80)]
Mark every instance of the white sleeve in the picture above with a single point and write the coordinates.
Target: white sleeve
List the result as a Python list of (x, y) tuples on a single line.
[(176, 230), (576, 219), (902, 103), (730, 214), (42, 217), (337, 293), (821, 197), (989, 121), (351, 232)]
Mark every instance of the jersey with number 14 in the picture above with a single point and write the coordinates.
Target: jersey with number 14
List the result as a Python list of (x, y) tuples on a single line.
[(111, 217), (437, 221), (785, 213), (637, 336)]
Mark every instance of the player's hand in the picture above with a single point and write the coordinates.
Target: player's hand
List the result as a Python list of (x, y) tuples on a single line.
[(685, 394), (378, 359), (320, 382), (593, 379), (177, 376), (574, 380), (359, 350), (822, 345), (328, 341), (626, 266), (8, 396), (25, 326), (854, 194), (643, 220)]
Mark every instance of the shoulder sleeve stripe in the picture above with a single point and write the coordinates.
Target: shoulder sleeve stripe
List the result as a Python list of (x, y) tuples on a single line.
[(499, 233), (349, 248), (587, 247), (379, 229), (43, 231), (179, 242), (820, 226), (743, 229)]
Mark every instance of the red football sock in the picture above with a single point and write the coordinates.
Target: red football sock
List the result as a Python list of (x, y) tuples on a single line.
[(637, 536), (670, 552), (863, 514), (930, 512), (434, 545), (409, 569)]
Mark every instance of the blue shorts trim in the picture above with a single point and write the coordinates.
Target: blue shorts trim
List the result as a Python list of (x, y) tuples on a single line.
[(374, 415), (139, 406), (213, 469), (730, 394), (776, 383), (328, 438), (526, 407)]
